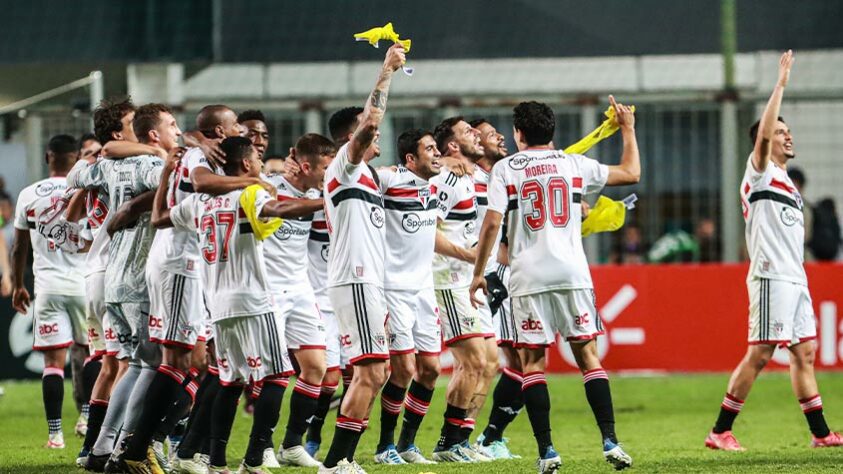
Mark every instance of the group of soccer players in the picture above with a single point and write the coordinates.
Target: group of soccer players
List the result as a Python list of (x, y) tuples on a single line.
[(194, 276)]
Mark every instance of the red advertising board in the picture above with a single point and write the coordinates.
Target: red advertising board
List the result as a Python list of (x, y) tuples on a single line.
[(691, 318)]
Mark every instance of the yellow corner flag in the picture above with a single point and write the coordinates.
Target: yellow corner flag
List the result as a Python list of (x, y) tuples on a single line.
[(385, 32), (262, 228)]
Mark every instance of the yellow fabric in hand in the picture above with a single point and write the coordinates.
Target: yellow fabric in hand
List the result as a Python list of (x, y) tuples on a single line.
[(605, 130), (262, 227), (385, 32), (607, 215)]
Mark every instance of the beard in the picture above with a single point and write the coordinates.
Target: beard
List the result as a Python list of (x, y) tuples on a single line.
[(472, 153)]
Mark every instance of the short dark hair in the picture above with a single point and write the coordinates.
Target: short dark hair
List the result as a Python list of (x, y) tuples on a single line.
[(251, 114), (147, 117), (478, 122), (85, 137), (797, 176), (444, 132), (62, 145), (535, 121), (753, 130), (343, 122), (312, 146), (235, 150), (108, 116), (408, 143)]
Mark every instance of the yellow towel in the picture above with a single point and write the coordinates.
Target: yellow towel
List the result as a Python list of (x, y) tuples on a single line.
[(384, 32), (262, 227), (605, 130), (607, 215)]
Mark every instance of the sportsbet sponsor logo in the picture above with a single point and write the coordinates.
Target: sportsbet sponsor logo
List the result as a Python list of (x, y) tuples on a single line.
[(412, 222)]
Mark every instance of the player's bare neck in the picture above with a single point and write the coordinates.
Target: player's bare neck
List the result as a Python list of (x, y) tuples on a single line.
[(296, 181), (539, 147)]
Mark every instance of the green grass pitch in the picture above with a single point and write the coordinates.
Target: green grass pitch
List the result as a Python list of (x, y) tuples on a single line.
[(662, 422)]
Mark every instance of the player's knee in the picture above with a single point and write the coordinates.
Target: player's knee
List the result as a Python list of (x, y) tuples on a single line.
[(806, 358), (474, 364), (759, 360), (403, 369), (428, 371)]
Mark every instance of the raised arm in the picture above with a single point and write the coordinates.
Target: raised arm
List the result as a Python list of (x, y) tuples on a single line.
[(160, 212), (767, 127), (292, 208), (375, 107), (485, 244), (117, 149), (629, 170)]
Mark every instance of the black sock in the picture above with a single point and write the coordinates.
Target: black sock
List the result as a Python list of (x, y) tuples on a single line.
[(466, 429), (346, 434), (96, 414), (507, 401), (162, 392), (813, 409), (323, 405), (454, 419), (392, 396), (415, 407), (177, 412), (600, 398), (90, 372), (267, 409), (729, 410), (52, 390), (222, 418), (352, 448), (303, 404), (199, 424), (537, 401)]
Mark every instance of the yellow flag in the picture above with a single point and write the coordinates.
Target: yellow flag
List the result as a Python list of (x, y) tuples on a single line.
[(262, 227), (605, 130), (607, 215), (385, 32)]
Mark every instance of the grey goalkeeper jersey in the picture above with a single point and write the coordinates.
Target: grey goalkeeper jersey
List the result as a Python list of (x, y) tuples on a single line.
[(123, 179)]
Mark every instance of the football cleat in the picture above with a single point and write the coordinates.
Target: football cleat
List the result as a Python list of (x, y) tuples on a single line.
[(160, 456), (476, 455), (81, 427), (296, 456), (96, 463), (550, 462), (413, 455), (342, 467), (55, 441), (456, 453), (389, 456), (833, 440), (269, 458), (725, 441), (616, 456), (246, 469), (189, 466)]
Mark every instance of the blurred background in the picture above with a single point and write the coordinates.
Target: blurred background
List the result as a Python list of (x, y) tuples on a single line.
[(699, 73)]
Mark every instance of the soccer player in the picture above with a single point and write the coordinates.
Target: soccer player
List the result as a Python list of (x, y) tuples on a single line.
[(461, 324), (355, 217), (249, 336), (539, 190), (254, 123), (59, 306), (126, 296), (780, 309), (177, 312), (414, 330), (286, 262), (507, 400)]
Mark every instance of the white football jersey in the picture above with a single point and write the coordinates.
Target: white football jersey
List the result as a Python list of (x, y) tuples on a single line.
[(540, 192), (318, 248), (286, 250), (775, 226), (56, 272), (411, 211), (177, 250), (457, 207), (231, 258), (354, 211), (481, 184)]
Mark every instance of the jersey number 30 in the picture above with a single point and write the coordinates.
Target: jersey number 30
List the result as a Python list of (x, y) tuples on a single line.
[(212, 227), (549, 203)]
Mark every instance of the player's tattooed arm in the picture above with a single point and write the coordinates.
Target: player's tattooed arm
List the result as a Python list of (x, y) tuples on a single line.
[(375, 107), (160, 211), (117, 149), (488, 234), (291, 209), (130, 211), (629, 170), (767, 126), (20, 252)]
